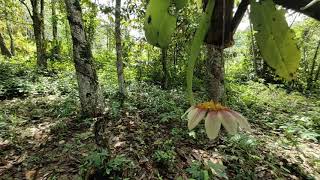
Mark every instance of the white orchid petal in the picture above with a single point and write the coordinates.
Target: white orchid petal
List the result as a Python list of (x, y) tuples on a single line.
[(212, 125), (190, 108), (243, 122), (229, 122), (194, 117)]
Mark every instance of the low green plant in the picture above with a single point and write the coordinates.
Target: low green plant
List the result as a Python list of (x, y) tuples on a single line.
[(164, 157), (101, 162), (212, 171)]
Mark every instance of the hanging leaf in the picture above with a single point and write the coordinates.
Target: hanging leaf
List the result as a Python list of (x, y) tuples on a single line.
[(159, 25), (196, 45), (275, 39)]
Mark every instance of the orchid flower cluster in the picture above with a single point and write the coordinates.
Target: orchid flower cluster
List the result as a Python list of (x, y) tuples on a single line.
[(215, 114)]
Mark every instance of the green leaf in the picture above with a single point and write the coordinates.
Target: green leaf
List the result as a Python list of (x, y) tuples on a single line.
[(196, 45), (275, 39), (159, 25), (180, 3)]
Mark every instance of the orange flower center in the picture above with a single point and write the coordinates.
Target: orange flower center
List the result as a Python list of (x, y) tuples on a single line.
[(211, 106)]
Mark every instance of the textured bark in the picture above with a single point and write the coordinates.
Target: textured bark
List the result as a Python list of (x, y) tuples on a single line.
[(12, 46), (220, 25), (56, 47), (317, 74), (255, 64), (296, 5), (4, 50), (38, 29), (219, 36), (310, 77), (119, 63), (89, 89), (9, 30), (165, 70), (215, 73)]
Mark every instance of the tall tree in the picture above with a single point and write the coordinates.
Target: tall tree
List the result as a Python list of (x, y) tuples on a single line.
[(55, 41), (9, 28), (165, 70), (119, 64), (89, 90), (4, 50), (312, 68), (218, 38), (37, 15)]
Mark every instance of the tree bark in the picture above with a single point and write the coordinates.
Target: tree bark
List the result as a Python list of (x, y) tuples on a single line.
[(4, 50), (12, 46), (310, 77), (255, 64), (317, 74), (165, 81), (56, 47), (297, 5), (119, 62), (9, 30), (38, 29), (89, 90), (215, 73), (219, 37)]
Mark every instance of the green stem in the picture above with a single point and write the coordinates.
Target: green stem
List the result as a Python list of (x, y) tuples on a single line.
[(196, 45)]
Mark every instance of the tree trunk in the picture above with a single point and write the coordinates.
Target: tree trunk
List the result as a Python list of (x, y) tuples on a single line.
[(12, 46), (215, 73), (165, 70), (9, 30), (119, 63), (4, 50), (310, 77), (56, 47), (89, 90), (255, 64), (317, 74), (38, 29)]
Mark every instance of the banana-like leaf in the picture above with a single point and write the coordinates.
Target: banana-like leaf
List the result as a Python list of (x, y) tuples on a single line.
[(275, 39), (196, 45), (159, 25)]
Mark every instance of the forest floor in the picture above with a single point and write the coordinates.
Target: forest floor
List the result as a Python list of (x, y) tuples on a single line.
[(43, 137)]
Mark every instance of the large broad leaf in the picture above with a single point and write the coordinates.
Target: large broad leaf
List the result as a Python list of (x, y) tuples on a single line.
[(159, 25), (275, 39)]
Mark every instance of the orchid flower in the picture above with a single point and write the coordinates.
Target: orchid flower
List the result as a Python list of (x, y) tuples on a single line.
[(215, 114)]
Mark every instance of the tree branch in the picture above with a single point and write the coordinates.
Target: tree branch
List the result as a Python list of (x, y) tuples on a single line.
[(298, 5), (239, 15), (22, 1)]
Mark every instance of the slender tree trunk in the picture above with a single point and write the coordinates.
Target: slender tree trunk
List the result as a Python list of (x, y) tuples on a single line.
[(119, 63), (42, 20), (165, 70), (253, 51), (38, 29), (317, 74), (9, 30), (89, 90), (12, 46), (4, 50), (215, 73), (310, 77), (55, 48)]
